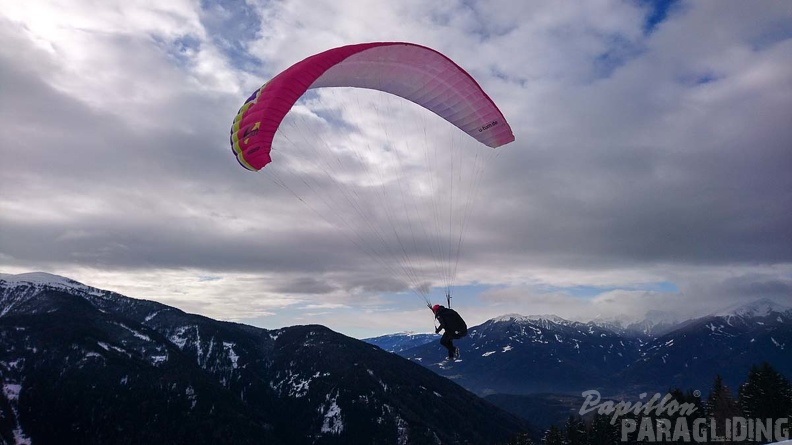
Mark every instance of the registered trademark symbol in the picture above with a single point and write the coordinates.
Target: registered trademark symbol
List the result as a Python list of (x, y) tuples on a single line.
[(697, 393)]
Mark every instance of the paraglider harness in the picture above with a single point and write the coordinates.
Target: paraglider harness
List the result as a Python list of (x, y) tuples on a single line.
[(449, 319), (453, 324)]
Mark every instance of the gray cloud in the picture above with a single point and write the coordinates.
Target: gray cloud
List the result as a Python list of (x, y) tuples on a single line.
[(640, 157)]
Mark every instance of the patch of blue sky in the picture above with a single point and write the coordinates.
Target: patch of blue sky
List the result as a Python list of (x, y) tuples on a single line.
[(186, 45), (467, 295), (231, 25), (581, 291), (657, 12), (705, 78), (699, 78)]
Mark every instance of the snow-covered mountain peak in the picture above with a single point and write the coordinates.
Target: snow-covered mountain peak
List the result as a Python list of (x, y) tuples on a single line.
[(758, 308), (553, 318), (529, 318), (510, 318), (43, 279)]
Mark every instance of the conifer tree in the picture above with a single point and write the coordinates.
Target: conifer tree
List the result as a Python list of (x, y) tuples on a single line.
[(601, 432), (721, 405), (553, 436), (575, 431), (766, 394), (521, 439)]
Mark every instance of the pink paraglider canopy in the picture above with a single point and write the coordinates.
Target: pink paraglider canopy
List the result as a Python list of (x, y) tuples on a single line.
[(413, 72)]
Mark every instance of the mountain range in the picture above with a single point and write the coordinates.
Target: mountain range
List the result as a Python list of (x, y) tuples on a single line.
[(89, 366), (84, 365), (515, 354)]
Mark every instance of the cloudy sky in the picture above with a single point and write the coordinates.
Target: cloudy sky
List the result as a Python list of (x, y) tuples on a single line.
[(651, 167)]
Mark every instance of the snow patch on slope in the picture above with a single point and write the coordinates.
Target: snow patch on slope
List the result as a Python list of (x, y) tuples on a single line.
[(11, 392), (332, 424)]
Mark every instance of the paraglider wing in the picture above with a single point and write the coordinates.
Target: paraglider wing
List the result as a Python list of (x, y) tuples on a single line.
[(413, 72)]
